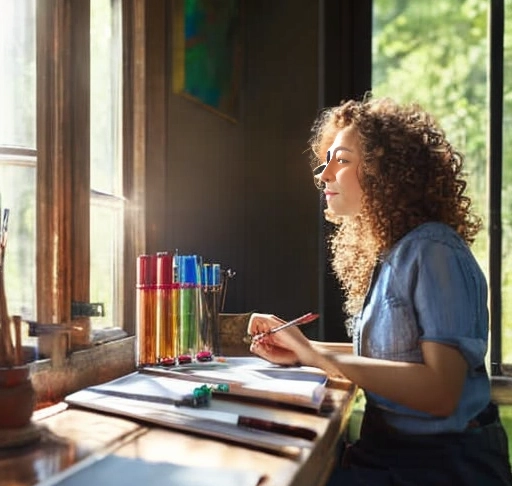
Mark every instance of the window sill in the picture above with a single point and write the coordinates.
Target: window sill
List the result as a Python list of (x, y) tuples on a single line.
[(111, 358), (81, 369)]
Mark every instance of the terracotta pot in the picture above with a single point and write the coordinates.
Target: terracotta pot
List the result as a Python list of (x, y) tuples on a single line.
[(17, 397)]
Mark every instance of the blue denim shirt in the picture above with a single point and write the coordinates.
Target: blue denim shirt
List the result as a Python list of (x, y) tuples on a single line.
[(429, 288)]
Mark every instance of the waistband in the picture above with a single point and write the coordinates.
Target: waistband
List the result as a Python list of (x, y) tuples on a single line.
[(487, 416), (374, 422)]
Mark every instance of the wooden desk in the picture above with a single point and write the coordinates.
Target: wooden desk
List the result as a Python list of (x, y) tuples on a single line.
[(72, 437)]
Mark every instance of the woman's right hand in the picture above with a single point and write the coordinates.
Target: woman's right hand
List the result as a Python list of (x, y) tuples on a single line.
[(284, 347)]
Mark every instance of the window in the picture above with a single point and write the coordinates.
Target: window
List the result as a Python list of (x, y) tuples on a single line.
[(75, 180), (438, 54), (18, 151), (106, 235)]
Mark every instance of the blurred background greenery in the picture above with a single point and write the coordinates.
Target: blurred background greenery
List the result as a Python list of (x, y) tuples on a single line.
[(437, 54)]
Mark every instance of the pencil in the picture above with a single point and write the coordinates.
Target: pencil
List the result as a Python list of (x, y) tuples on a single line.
[(305, 319)]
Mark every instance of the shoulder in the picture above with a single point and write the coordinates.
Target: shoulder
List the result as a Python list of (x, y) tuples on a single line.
[(433, 232), (435, 253), (428, 240)]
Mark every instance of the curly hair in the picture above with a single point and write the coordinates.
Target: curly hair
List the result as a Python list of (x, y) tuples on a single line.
[(409, 174)]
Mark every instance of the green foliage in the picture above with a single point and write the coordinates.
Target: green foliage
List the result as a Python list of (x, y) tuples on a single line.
[(506, 420), (436, 54)]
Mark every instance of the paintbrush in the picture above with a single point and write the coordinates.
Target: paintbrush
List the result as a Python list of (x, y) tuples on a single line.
[(3, 235), (305, 319), (7, 357)]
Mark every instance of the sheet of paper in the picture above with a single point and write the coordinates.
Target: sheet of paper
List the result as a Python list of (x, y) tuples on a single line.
[(257, 378), (187, 419), (140, 386)]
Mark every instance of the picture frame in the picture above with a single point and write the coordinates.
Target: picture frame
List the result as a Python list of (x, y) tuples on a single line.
[(207, 54)]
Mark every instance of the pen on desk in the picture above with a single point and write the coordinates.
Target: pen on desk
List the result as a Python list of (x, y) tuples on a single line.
[(305, 319), (277, 427), (250, 422)]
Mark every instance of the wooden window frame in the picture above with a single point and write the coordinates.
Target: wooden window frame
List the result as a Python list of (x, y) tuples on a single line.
[(63, 160)]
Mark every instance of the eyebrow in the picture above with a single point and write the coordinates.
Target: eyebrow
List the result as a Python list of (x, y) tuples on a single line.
[(340, 147), (320, 168)]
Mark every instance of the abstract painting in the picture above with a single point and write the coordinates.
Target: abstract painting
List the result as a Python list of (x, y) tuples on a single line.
[(207, 53)]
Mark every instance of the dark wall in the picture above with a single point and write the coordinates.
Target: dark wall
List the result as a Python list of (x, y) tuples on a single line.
[(241, 193)]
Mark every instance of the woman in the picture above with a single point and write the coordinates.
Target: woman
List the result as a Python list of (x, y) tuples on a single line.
[(416, 298)]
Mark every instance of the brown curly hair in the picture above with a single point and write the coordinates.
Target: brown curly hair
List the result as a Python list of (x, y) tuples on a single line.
[(410, 174)]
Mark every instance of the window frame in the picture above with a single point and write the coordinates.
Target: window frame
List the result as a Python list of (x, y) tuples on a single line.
[(495, 177), (63, 192), (352, 78), (63, 148)]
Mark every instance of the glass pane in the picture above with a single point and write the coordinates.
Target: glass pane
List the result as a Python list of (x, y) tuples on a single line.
[(506, 295), (105, 91), (18, 73), (106, 183), (106, 227), (17, 168), (17, 190), (435, 53)]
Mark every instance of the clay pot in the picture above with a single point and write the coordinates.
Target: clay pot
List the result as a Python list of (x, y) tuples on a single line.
[(17, 397)]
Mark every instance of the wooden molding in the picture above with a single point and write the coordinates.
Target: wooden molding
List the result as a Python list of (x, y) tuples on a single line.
[(63, 172)]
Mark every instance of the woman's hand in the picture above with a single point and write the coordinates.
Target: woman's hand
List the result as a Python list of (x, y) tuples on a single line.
[(259, 323), (286, 347)]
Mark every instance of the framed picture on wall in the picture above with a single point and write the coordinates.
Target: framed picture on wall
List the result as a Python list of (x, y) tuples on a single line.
[(207, 53)]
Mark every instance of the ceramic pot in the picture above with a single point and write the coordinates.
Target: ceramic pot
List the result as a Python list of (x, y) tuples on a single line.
[(17, 397)]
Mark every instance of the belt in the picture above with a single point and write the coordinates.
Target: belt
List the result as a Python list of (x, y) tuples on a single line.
[(487, 416)]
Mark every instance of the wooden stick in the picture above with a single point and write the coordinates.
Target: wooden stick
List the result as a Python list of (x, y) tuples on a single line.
[(17, 342), (6, 347)]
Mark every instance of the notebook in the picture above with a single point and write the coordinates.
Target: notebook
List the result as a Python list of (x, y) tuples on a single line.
[(255, 378), (163, 400)]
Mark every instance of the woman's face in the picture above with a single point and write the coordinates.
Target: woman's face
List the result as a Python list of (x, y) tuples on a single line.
[(342, 189)]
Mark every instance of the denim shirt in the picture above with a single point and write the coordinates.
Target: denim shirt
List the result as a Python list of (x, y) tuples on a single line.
[(429, 288)]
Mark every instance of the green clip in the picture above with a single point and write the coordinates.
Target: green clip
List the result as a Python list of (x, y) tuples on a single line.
[(202, 395)]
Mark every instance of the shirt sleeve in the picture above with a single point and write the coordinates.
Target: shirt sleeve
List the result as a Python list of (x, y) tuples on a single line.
[(450, 299)]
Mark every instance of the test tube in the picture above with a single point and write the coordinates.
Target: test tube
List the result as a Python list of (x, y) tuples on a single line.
[(146, 310), (211, 291), (191, 308), (166, 313)]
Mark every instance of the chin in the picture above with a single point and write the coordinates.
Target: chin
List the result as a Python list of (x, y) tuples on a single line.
[(332, 216)]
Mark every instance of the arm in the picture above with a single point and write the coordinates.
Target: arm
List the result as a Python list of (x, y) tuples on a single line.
[(434, 386), (321, 347)]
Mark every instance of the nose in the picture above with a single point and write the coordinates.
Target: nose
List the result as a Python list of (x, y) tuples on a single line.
[(325, 174), (328, 172), (321, 172)]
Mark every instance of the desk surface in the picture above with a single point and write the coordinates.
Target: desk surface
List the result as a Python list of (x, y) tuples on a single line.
[(72, 438)]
